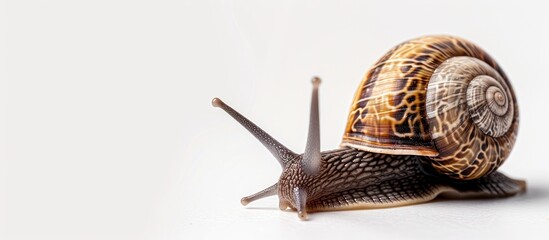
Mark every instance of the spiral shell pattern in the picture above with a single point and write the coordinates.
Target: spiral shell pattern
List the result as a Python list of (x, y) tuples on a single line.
[(471, 116), (464, 123)]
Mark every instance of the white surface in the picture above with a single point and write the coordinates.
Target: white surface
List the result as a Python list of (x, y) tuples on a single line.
[(108, 132)]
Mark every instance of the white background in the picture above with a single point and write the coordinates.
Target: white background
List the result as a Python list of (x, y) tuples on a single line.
[(108, 131)]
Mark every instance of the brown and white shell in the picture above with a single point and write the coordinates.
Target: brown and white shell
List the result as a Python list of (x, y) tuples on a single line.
[(436, 96)]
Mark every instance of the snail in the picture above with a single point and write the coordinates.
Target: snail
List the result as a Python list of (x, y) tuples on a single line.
[(435, 116)]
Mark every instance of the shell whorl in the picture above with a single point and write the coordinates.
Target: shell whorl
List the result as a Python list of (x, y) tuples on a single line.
[(472, 117), (392, 113), (489, 103)]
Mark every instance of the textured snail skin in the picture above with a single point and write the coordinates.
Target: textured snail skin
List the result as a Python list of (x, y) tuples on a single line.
[(436, 116), (352, 178)]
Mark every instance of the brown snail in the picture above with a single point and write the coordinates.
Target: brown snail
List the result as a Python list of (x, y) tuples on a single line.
[(434, 116)]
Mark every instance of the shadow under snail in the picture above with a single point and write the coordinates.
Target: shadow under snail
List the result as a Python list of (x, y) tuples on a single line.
[(434, 116)]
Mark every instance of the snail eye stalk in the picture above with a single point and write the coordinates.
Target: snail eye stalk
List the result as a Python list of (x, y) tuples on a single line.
[(311, 157), (279, 151)]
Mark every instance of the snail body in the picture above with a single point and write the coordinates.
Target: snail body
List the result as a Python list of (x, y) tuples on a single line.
[(434, 116)]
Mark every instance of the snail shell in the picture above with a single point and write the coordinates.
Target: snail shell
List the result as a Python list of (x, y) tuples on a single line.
[(436, 96)]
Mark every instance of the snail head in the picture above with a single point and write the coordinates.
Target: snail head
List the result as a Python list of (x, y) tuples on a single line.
[(310, 160)]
